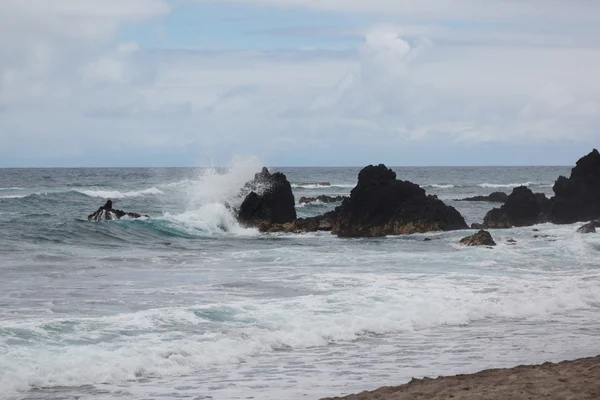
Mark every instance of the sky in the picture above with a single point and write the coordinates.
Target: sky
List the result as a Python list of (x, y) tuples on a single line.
[(159, 83)]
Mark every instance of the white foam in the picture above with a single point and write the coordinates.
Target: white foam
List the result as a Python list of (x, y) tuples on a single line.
[(209, 192), (212, 218), (438, 186), (321, 186), (176, 341), (214, 187), (115, 194), (505, 185), (13, 196)]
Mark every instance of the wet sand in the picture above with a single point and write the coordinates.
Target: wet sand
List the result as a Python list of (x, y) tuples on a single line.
[(568, 380)]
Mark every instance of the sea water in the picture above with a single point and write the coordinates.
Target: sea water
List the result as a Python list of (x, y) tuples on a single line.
[(189, 304)]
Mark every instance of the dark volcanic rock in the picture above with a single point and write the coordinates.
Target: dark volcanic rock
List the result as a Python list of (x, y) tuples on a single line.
[(589, 227), (322, 199), (270, 201), (381, 205), (481, 238), (108, 213), (496, 197), (578, 198), (523, 208), (301, 225)]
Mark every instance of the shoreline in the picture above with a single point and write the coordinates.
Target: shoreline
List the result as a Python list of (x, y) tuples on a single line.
[(577, 379)]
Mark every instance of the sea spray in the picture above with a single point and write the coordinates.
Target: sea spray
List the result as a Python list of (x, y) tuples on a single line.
[(214, 195)]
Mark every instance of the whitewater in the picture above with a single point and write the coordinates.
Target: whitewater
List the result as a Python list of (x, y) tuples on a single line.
[(189, 304)]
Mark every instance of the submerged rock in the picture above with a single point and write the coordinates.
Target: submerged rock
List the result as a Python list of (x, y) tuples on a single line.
[(322, 199), (108, 213), (382, 205), (496, 197), (270, 200), (589, 227), (523, 208), (577, 198), (481, 238)]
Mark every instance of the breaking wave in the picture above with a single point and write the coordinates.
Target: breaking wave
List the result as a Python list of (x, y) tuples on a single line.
[(321, 185), (505, 185), (438, 186), (115, 194), (176, 341)]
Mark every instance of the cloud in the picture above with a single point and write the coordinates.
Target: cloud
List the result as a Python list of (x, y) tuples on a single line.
[(410, 85), (527, 10)]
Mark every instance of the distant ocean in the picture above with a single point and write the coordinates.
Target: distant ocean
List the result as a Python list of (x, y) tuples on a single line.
[(187, 304)]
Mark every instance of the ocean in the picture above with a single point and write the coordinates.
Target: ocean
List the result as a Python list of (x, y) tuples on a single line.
[(187, 304)]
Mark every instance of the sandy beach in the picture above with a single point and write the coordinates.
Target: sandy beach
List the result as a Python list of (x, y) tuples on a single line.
[(568, 380)]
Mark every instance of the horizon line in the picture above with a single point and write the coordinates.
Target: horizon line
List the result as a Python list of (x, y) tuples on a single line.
[(302, 166)]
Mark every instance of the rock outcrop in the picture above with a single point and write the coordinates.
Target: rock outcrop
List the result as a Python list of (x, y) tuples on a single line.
[(481, 238), (496, 197), (589, 227), (321, 199), (577, 198), (270, 200), (321, 223), (523, 208), (108, 213), (382, 205)]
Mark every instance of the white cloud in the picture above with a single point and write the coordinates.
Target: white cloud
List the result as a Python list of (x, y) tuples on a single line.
[(526, 10), (67, 80)]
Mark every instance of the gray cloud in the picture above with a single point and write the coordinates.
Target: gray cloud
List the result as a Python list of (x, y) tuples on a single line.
[(402, 86)]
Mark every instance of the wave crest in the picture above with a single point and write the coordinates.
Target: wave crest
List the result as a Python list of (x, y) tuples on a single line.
[(115, 194), (505, 185)]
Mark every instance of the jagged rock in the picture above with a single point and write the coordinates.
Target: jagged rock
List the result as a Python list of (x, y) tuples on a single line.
[(481, 238), (523, 208), (322, 199), (496, 197), (545, 205), (589, 227), (381, 205), (108, 213), (577, 198), (270, 201)]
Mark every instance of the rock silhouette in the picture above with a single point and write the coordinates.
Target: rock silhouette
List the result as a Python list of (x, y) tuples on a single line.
[(522, 208), (589, 227), (577, 198), (496, 197), (481, 238), (108, 213), (322, 199), (270, 200), (382, 205)]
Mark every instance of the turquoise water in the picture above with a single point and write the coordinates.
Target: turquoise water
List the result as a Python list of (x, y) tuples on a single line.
[(188, 304)]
